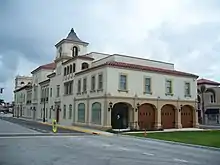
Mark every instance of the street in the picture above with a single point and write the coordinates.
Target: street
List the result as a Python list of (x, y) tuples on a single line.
[(79, 148)]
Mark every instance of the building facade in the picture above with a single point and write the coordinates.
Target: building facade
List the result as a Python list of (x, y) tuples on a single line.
[(208, 101), (111, 91)]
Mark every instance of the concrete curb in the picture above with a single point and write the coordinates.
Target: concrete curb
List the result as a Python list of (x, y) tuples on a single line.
[(79, 129), (175, 143)]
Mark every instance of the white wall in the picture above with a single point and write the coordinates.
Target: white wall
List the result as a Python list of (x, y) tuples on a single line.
[(135, 82), (88, 76), (67, 49)]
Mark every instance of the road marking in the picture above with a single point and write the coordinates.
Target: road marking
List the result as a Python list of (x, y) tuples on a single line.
[(29, 137), (145, 153), (123, 149), (180, 160)]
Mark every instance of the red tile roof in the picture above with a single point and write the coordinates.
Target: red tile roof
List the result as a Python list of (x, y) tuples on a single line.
[(142, 68), (207, 82), (49, 66), (148, 68)]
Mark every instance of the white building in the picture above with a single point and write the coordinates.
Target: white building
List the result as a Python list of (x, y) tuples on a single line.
[(118, 91)]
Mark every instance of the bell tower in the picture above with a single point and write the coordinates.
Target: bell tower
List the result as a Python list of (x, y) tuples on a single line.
[(71, 46)]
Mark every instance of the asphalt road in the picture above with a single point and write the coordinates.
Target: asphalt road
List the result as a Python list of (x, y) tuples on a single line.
[(36, 125), (94, 150)]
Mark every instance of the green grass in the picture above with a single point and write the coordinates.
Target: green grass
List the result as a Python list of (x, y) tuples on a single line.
[(205, 138)]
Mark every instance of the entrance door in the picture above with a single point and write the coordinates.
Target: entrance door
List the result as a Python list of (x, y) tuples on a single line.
[(119, 116)]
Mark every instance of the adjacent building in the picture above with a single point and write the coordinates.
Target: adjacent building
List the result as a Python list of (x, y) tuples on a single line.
[(109, 90), (208, 101)]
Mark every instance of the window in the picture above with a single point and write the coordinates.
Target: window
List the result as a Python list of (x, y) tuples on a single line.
[(75, 51), (68, 70), (147, 85), (70, 87), (74, 68), (50, 113), (187, 89), (212, 100), (84, 84), (58, 90), (169, 87), (123, 82), (71, 68), (96, 113), (85, 65), (64, 111), (81, 112), (65, 88), (46, 112), (65, 71), (51, 92), (93, 83), (70, 111), (79, 86), (100, 80)]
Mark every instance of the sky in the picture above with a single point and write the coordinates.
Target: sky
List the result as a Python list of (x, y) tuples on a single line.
[(183, 32)]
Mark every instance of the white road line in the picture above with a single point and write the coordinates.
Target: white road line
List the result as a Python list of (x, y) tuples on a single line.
[(180, 160), (31, 137), (145, 153)]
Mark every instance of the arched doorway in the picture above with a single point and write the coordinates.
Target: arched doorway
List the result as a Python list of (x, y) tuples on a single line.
[(187, 116), (146, 116), (120, 116), (168, 116)]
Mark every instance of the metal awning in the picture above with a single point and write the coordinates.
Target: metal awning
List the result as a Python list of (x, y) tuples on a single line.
[(212, 111)]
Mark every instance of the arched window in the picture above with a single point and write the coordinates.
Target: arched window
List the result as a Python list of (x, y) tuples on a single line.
[(68, 69), (71, 69), (85, 65), (60, 51), (64, 111), (96, 113), (70, 111), (65, 71), (74, 67), (81, 112), (75, 51)]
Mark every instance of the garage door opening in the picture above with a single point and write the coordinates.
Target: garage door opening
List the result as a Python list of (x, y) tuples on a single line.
[(168, 116), (187, 116), (146, 116)]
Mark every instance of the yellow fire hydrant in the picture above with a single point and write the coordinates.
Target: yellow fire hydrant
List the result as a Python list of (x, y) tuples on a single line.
[(54, 126)]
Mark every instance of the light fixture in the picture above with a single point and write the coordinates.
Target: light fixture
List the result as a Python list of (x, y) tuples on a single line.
[(110, 106), (137, 107)]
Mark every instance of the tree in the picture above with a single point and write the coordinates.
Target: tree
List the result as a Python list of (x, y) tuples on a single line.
[(201, 91), (1, 101)]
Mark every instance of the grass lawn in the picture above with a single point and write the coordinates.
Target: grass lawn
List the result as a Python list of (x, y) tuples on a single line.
[(205, 138)]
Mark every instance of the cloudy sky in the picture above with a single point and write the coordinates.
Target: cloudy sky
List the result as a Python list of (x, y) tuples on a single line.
[(184, 32)]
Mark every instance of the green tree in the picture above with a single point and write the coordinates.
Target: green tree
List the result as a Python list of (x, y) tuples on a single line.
[(201, 91)]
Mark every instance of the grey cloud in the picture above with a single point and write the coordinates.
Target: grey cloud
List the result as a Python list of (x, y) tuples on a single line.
[(180, 45)]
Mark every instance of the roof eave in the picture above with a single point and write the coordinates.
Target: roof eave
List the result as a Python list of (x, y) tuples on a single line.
[(63, 40)]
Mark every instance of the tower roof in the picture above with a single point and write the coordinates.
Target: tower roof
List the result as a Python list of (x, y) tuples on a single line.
[(72, 37)]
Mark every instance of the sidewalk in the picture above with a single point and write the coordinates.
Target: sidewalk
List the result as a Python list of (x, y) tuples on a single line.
[(74, 128)]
